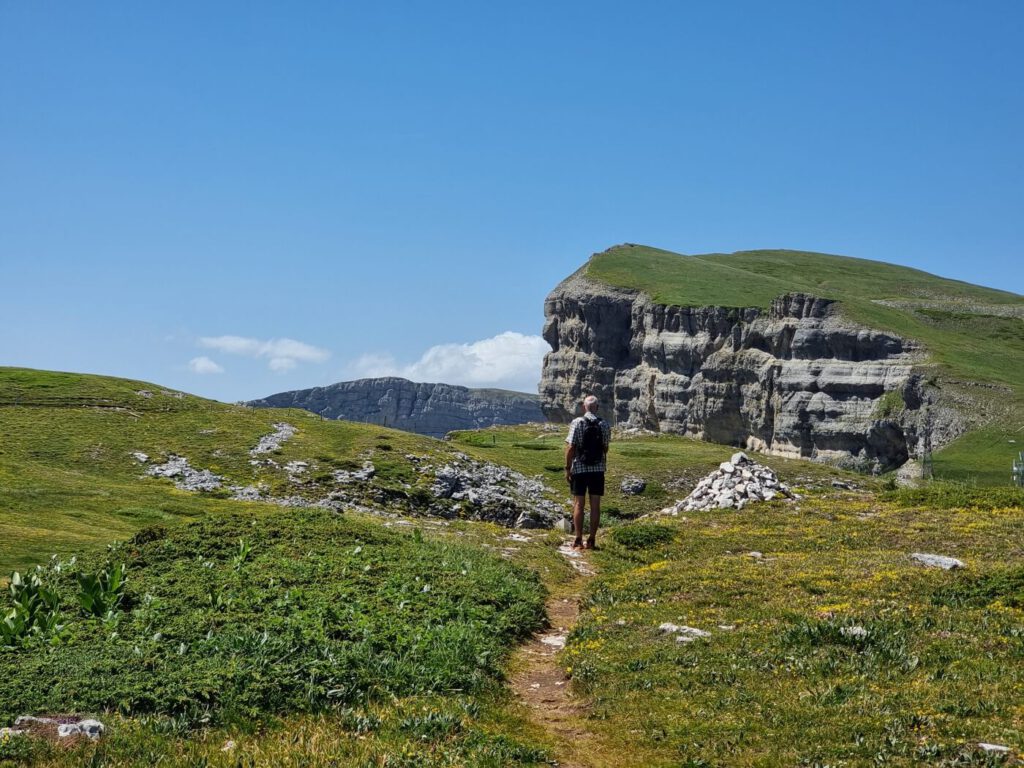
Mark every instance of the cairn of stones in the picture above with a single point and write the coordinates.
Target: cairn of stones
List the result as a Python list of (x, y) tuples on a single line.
[(736, 483)]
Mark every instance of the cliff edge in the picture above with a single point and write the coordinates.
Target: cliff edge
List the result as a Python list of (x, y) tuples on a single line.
[(796, 378)]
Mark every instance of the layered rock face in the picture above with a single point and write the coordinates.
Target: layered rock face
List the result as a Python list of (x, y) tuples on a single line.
[(796, 380), (429, 409)]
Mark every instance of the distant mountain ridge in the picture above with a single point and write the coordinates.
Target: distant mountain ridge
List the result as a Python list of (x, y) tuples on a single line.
[(432, 409)]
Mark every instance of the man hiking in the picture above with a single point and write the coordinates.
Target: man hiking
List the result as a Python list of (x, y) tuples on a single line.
[(585, 450)]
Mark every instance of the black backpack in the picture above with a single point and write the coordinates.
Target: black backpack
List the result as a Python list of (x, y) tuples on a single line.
[(593, 441)]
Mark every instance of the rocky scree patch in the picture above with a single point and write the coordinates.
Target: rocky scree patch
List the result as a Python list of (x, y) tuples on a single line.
[(460, 488)]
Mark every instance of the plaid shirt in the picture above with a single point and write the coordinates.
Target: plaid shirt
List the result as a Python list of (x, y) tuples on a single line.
[(575, 439)]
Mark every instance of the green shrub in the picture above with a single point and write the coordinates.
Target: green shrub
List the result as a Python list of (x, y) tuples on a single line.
[(643, 536), (320, 613), (889, 405), (34, 611), (1006, 586), (100, 594)]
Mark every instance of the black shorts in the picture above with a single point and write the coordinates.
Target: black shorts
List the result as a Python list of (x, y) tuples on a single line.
[(587, 481)]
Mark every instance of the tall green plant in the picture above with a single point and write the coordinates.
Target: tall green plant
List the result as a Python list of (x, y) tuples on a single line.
[(101, 593), (35, 610)]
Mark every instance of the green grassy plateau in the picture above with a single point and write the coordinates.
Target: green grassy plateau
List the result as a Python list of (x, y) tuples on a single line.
[(248, 634), (974, 335)]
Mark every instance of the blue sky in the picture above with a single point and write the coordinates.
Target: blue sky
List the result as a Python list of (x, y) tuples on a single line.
[(241, 198)]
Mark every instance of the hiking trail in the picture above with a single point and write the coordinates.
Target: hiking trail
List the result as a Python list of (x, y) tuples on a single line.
[(540, 683)]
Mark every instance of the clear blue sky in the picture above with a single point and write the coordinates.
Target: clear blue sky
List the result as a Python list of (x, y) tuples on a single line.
[(376, 179)]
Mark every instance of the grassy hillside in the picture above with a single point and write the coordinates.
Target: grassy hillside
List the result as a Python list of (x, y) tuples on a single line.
[(67, 477), (365, 639), (972, 334), (251, 634)]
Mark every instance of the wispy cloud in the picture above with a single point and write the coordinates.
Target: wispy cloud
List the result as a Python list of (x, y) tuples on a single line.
[(281, 354), (509, 360), (204, 365)]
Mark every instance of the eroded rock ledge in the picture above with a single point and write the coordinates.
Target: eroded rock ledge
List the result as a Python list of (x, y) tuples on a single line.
[(796, 380)]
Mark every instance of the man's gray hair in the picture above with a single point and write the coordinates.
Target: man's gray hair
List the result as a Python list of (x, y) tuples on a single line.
[(590, 403)]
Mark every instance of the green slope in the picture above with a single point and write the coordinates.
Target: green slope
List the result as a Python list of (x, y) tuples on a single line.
[(973, 334), (67, 478), (308, 638)]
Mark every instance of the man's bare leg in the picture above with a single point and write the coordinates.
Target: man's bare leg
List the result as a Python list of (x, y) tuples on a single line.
[(595, 520), (578, 503)]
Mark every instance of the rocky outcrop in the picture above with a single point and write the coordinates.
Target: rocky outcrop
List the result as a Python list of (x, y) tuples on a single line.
[(796, 380), (429, 409)]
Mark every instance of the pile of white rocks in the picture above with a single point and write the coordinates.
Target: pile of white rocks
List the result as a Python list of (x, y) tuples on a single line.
[(736, 483)]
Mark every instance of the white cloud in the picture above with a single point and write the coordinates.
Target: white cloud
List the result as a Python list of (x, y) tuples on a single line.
[(509, 360), (282, 354), (203, 365), (281, 364)]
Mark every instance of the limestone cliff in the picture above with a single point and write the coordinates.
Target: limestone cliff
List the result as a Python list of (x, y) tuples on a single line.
[(796, 379), (429, 409)]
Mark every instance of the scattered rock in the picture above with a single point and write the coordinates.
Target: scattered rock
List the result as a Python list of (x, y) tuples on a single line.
[(855, 632), (632, 485), (937, 561), (246, 493), (140, 457), (62, 727), (755, 554), (269, 443), (172, 393), (185, 476), (684, 634), (144, 393), (91, 728), (736, 483), (495, 493), (998, 748), (555, 641), (356, 475)]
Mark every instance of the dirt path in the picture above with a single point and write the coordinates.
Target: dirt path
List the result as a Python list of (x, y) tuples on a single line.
[(540, 683)]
